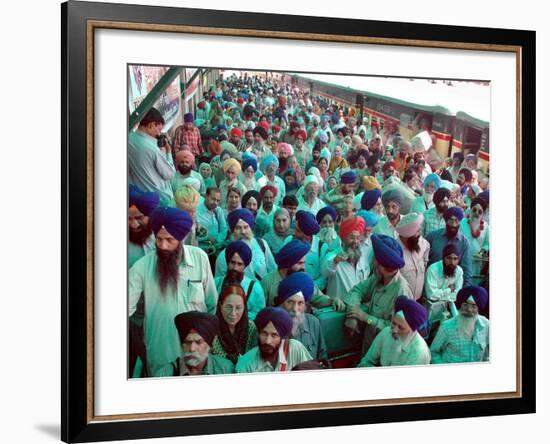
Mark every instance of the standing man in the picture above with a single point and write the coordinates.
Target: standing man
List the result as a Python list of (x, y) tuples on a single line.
[(150, 167), (392, 201), (211, 216), (185, 164), (433, 217), (140, 236), (188, 134), (172, 279)]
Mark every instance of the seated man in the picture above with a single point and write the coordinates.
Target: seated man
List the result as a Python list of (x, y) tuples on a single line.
[(197, 331), (275, 352), (400, 343), (293, 294), (464, 338)]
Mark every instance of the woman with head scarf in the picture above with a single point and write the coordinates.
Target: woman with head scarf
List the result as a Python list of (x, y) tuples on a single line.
[(279, 230), (291, 182), (207, 175)]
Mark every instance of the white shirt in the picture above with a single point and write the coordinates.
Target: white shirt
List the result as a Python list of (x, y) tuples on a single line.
[(438, 293)]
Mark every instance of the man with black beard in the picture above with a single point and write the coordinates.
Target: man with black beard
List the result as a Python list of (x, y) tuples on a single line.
[(444, 279), (464, 338), (433, 217), (173, 279), (185, 165), (451, 234), (238, 256), (393, 201), (416, 252), (196, 333), (293, 294), (276, 351)]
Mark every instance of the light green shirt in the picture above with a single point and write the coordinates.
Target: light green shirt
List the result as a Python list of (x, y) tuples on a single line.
[(252, 362)]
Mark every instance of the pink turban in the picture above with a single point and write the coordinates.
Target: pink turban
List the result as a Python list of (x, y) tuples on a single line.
[(285, 149), (185, 155), (350, 225), (409, 224)]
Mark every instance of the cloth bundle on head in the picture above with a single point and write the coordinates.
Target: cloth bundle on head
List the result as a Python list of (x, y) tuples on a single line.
[(370, 183), (177, 222), (188, 118), (285, 149), (268, 188), (348, 177), (228, 163), (240, 214), (236, 132), (387, 251), (291, 253), (182, 155), (350, 225), (449, 249), (145, 202), (453, 211), (323, 137), (307, 223), (369, 199), (371, 219), (472, 293), (248, 195), (432, 178), (242, 249), (414, 313), (440, 195), (187, 198), (392, 195), (388, 165), (279, 317), (267, 160), (206, 325), (296, 283), (324, 211), (409, 224), (250, 162)]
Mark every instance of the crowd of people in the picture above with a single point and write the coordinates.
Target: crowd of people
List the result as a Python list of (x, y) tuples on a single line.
[(270, 211)]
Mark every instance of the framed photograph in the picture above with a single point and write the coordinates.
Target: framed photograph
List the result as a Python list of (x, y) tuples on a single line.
[(441, 89)]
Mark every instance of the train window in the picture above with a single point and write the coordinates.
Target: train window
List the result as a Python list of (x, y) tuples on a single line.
[(472, 139)]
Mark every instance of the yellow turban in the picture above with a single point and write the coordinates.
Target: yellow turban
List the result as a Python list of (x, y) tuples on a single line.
[(232, 163), (187, 198), (370, 183)]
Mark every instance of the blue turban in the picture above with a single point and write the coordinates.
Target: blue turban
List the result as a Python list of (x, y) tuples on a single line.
[(433, 178), (484, 195), (348, 177), (479, 294), (267, 160), (188, 118), (296, 282), (206, 325), (453, 211), (240, 213), (278, 316), (324, 211), (415, 314), (291, 253), (450, 248), (387, 251), (250, 162), (307, 223), (370, 198), (144, 202), (177, 222), (371, 219), (242, 249), (392, 196)]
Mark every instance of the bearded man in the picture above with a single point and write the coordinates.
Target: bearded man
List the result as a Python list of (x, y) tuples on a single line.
[(185, 165), (464, 338), (400, 343), (276, 351), (476, 229), (416, 252), (423, 203), (140, 235), (172, 279), (196, 333), (310, 200), (294, 292), (433, 217), (392, 201), (326, 218)]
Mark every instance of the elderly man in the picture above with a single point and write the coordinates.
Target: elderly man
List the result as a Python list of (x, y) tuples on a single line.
[(443, 281), (259, 146), (349, 265), (465, 337), (433, 217), (140, 235), (451, 234), (310, 200), (188, 134), (400, 343), (185, 164), (238, 256), (150, 167), (269, 166), (294, 292), (241, 223), (231, 170), (276, 351), (337, 196), (416, 251), (378, 292), (423, 203), (211, 217), (476, 229), (172, 279), (196, 333), (392, 201)]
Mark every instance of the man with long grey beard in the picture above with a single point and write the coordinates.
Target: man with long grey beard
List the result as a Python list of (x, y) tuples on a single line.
[(293, 294), (173, 279), (464, 338)]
